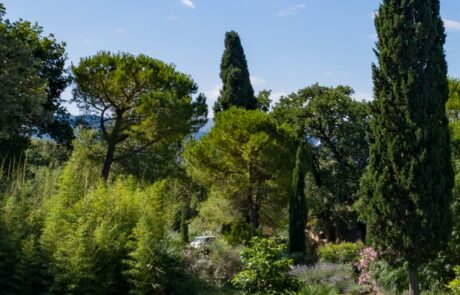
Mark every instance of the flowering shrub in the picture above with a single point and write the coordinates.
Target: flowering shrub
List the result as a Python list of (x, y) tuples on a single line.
[(367, 257)]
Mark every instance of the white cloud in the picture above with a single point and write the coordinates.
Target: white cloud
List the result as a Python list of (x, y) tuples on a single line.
[(188, 3), (291, 10), (256, 81), (452, 25), (121, 30), (329, 73), (87, 41)]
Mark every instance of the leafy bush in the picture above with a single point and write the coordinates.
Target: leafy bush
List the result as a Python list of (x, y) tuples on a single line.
[(340, 253), (21, 221), (395, 280), (454, 286), (266, 270), (317, 290), (45, 153), (237, 233)]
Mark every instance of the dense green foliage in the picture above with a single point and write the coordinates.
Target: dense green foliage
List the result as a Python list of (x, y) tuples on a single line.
[(237, 89), (334, 125), (453, 114), (140, 102), (266, 271), (50, 57), (31, 82), (454, 286), (68, 233), (297, 241), (340, 253), (22, 93), (244, 159), (407, 187)]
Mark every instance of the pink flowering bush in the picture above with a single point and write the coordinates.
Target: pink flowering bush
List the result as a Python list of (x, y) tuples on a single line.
[(366, 258)]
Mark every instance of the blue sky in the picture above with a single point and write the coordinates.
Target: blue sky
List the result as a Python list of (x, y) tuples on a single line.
[(289, 44)]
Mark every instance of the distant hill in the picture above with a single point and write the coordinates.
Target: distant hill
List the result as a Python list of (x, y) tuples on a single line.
[(93, 121), (88, 120)]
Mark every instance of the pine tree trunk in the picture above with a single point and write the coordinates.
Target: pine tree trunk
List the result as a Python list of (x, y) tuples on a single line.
[(112, 139), (253, 213), (253, 208), (414, 288), (108, 162), (184, 225)]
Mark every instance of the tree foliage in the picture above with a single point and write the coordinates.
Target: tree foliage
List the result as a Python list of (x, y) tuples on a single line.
[(334, 126), (297, 241), (33, 79), (142, 103), (50, 57), (407, 186), (237, 89), (245, 159), (22, 92), (453, 114)]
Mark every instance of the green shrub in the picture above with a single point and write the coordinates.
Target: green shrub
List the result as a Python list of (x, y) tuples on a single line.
[(395, 280), (237, 233), (43, 152), (266, 270), (318, 290), (454, 286), (21, 221), (340, 253)]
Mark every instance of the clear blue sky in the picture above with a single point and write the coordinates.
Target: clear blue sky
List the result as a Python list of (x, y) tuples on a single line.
[(289, 44)]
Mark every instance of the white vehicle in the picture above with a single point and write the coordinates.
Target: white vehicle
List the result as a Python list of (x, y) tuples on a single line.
[(202, 242)]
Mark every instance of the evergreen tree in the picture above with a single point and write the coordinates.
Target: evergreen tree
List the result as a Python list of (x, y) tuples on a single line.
[(237, 89), (407, 188), (142, 104), (297, 203), (245, 160)]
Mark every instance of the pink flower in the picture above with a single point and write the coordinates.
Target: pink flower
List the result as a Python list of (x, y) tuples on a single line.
[(367, 256)]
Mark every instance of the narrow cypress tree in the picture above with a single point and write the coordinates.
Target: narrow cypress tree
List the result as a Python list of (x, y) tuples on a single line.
[(183, 223), (407, 187), (237, 89), (298, 204)]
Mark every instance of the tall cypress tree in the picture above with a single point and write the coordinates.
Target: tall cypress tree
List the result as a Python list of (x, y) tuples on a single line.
[(407, 187), (298, 204), (237, 89)]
